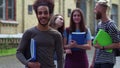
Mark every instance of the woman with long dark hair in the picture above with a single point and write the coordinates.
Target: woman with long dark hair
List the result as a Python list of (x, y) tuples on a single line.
[(76, 56)]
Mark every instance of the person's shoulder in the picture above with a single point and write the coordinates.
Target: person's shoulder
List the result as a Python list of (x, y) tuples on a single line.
[(100, 22), (30, 30), (111, 23), (54, 31)]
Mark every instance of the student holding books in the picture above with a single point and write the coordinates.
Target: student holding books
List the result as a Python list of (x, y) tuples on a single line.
[(48, 40), (79, 40), (103, 58)]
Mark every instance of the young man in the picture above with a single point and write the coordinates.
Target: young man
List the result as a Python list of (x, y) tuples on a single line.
[(103, 59), (47, 40)]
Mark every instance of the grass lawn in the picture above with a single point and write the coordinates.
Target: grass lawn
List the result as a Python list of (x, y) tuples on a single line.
[(5, 52)]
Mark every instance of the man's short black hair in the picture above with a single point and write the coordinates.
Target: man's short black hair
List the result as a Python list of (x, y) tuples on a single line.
[(49, 3)]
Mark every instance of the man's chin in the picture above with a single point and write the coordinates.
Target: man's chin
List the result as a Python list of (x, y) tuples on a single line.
[(98, 18), (44, 25)]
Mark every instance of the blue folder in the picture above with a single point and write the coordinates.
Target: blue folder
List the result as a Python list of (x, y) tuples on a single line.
[(33, 50), (79, 37)]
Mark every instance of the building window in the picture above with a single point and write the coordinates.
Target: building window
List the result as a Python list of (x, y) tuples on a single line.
[(1, 9), (29, 9), (69, 12), (7, 9), (114, 13), (82, 5)]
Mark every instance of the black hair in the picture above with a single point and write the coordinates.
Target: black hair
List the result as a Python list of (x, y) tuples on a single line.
[(49, 3)]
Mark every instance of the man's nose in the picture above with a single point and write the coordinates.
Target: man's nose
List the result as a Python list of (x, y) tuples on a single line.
[(43, 14), (62, 21)]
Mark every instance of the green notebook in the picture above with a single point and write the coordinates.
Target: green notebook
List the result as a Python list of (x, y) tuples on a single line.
[(103, 38)]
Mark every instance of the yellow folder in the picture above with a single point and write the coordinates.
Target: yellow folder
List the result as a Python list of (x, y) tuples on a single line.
[(103, 38)]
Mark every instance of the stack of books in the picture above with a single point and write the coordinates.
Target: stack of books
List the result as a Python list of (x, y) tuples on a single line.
[(103, 39), (79, 37)]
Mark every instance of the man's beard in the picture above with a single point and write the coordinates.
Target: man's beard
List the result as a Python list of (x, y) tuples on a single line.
[(98, 15), (44, 25)]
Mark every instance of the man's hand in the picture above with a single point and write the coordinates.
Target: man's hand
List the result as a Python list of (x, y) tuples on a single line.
[(33, 65), (98, 46)]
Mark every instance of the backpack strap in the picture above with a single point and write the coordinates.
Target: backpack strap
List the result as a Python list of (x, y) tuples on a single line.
[(106, 27)]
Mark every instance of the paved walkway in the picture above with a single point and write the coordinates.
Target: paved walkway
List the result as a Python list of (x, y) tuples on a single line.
[(12, 62)]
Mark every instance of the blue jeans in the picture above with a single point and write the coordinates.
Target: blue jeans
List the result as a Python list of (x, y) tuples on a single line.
[(103, 65)]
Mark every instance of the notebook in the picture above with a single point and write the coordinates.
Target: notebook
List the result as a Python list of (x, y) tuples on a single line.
[(103, 38), (79, 37), (33, 50)]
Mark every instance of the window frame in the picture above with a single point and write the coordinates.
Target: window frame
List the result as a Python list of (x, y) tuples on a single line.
[(30, 9), (114, 13), (5, 10)]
